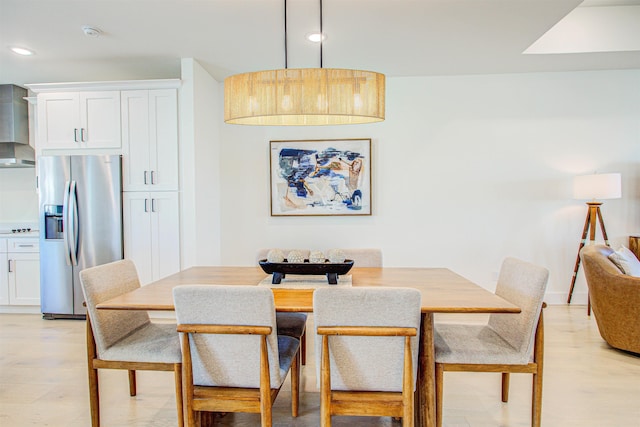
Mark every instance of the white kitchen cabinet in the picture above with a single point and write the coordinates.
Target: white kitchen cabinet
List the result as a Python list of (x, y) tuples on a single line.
[(79, 120), (152, 233), (22, 271), (4, 273), (150, 140)]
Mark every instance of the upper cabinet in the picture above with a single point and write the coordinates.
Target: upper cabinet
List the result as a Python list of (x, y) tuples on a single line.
[(150, 140), (79, 120)]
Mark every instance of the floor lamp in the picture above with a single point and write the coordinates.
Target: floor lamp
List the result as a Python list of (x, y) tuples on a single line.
[(593, 188)]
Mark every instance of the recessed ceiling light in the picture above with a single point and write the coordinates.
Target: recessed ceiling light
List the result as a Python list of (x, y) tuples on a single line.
[(21, 51), (91, 31), (316, 37)]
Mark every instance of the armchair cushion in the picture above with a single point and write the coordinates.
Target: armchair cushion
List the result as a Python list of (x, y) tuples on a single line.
[(626, 261), (153, 342)]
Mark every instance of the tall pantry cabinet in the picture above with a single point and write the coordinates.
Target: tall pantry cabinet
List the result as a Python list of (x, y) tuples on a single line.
[(139, 120), (150, 181)]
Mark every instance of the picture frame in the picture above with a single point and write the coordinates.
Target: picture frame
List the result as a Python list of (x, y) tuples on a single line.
[(320, 177)]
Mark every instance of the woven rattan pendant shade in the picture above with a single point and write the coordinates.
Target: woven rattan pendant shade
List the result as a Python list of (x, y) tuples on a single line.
[(304, 96)]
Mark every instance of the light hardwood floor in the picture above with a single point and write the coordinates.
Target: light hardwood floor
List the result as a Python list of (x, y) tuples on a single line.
[(43, 382)]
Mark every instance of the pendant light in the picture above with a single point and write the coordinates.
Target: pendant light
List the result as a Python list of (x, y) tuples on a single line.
[(304, 96)]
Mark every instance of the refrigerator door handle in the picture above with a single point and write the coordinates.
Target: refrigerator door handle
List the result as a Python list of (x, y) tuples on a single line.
[(73, 215), (66, 228)]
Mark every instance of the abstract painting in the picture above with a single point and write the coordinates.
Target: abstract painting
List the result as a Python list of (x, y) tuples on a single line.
[(321, 177)]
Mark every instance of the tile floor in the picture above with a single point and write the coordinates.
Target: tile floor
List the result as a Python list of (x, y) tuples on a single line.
[(43, 382)]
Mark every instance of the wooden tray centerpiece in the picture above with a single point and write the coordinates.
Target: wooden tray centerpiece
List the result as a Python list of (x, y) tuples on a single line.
[(281, 269)]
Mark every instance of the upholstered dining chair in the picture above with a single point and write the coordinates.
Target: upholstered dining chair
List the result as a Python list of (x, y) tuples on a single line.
[(233, 359), (507, 343), (123, 339), (366, 351)]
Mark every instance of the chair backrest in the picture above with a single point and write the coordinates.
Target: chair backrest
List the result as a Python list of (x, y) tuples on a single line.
[(365, 257), (102, 283), (367, 363), (229, 360), (524, 285)]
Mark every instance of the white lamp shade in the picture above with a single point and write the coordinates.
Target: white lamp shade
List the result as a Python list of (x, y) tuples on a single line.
[(597, 187)]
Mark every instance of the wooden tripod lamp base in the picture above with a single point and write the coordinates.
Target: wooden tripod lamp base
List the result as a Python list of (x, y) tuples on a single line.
[(590, 228), (593, 187)]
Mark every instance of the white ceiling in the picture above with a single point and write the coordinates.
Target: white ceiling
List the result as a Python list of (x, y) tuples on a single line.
[(143, 39)]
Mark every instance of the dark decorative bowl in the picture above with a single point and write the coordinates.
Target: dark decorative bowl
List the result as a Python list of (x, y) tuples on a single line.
[(331, 270)]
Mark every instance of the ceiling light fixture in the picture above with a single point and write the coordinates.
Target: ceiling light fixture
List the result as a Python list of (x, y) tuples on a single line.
[(304, 96), (91, 31), (21, 51), (316, 37)]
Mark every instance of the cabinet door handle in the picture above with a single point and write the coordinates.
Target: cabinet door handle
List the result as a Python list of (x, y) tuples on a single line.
[(146, 205), (10, 269), (25, 246), (145, 177), (82, 135), (75, 134), (153, 205), (153, 177)]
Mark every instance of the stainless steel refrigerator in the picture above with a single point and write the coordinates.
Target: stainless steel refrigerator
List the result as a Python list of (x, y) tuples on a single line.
[(80, 226)]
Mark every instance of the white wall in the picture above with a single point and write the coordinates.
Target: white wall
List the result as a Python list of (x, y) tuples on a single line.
[(466, 170), (199, 166), (18, 196)]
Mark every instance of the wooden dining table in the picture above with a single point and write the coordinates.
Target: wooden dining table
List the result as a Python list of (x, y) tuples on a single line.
[(443, 291)]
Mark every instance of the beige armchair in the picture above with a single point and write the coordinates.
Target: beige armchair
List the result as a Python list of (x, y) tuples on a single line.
[(366, 351), (234, 361), (125, 339), (615, 298), (507, 343)]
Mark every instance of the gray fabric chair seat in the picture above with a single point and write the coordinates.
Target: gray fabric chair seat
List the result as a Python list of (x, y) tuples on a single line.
[(287, 349), (474, 344), (153, 342), (291, 324)]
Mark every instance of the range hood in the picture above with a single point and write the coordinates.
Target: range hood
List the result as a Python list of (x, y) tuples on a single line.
[(15, 151)]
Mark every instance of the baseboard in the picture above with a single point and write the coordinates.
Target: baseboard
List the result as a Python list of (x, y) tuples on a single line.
[(20, 309), (560, 298)]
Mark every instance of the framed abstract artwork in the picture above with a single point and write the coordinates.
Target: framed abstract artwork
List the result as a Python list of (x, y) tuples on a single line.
[(321, 177)]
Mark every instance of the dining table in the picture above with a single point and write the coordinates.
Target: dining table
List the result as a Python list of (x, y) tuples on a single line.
[(442, 290)]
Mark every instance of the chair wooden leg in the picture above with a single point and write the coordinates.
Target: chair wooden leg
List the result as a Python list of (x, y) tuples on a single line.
[(94, 398), (265, 384), (538, 359), (439, 393), (177, 371), (132, 383), (295, 384), (193, 419), (407, 385), (505, 386), (325, 385), (303, 347)]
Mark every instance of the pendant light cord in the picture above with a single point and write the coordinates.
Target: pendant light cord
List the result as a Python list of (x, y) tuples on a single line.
[(286, 56), (285, 35), (321, 34)]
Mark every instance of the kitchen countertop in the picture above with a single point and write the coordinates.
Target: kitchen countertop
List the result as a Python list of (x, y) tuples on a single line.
[(10, 235)]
